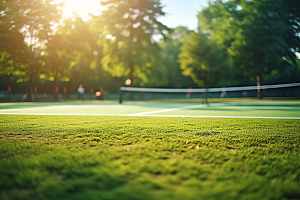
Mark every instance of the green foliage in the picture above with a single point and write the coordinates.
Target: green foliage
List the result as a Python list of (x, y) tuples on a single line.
[(170, 49), (54, 157), (258, 35), (70, 47), (30, 25), (203, 60), (129, 48)]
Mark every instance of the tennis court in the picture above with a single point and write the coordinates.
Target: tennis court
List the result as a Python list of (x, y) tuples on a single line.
[(230, 109)]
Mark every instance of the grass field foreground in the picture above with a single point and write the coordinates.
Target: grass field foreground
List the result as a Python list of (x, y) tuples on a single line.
[(105, 157)]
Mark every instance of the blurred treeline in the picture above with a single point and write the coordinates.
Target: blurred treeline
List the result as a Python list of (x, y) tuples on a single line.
[(237, 42)]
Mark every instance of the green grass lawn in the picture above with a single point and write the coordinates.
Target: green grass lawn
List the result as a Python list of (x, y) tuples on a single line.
[(106, 157)]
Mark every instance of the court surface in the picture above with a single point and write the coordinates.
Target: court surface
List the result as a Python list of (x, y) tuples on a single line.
[(243, 109)]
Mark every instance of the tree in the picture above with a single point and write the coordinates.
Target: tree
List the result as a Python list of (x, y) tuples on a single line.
[(88, 52), (203, 60), (58, 59), (130, 26), (11, 40), (170, 49), (31, 18), (71, 46), (260, 36)]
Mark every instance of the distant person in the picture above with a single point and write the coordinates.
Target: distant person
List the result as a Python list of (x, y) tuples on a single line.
[(65, 90), (101, 93), (46, 96), (189, 93), (223, 94), (10, 96), (25, 97), (92, 92), (98, 95), (81, 92)]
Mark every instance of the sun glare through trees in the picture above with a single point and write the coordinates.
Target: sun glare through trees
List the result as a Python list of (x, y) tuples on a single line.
[(82, 7)]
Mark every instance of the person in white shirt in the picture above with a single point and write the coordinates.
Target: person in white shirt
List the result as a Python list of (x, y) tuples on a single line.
[(80, 91)]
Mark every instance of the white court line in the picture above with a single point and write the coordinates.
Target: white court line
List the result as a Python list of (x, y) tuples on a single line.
[(167, 110), (64, 114), (44, 107), (130, 115), (20, 109), (142, 113), (173, 109), (203, 116), (262, 108)]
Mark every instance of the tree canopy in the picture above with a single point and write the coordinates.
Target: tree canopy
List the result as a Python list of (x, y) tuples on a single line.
[(130, 48), (170, 49), (29, 21), (203, 60), (260, 36)]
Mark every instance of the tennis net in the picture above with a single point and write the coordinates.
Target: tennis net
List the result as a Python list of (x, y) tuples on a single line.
[(278, 90)]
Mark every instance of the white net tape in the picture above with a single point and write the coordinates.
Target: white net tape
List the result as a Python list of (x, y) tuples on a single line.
[(135, 89)]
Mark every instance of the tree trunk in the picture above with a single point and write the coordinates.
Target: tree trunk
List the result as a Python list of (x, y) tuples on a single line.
[(31, 55), (30, 88), (204, 99), (55, 90), (258, 83), (131, 63), (131, 78)]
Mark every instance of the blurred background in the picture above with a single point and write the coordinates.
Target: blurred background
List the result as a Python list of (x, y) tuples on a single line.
[(50, 47)]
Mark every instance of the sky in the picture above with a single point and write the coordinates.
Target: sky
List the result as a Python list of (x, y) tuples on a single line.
[(178, 12), (182, 12)]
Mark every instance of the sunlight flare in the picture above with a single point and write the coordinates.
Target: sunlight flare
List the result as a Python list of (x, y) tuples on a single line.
[(82, 7)]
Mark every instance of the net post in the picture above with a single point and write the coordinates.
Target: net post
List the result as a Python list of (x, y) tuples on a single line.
[(120, 96)]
